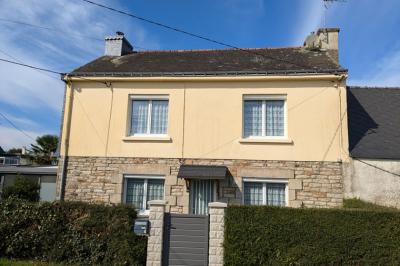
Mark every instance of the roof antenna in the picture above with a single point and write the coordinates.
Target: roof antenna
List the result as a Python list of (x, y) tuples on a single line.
[(327, 5)]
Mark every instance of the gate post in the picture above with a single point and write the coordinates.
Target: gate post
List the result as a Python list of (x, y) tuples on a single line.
[(155, 240), (216, 233)]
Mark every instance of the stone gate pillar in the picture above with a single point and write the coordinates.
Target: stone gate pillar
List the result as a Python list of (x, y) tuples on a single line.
[(155, 240), (216, 233)]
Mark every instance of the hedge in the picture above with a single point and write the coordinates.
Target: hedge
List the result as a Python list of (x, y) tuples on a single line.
[(260, 235), (70, 232)]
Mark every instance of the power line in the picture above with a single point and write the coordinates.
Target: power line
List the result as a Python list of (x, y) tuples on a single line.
[(50, 29), (32, 67), (60, 31), (190, 34), (17, 128), (376, 167)]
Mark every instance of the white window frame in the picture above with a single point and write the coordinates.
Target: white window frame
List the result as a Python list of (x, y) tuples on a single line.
[(149, 98), (143, 209), (265, 182), (265, 98)]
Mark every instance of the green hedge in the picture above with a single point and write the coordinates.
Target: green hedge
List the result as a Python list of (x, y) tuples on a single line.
[(283, 236), (70, 232)]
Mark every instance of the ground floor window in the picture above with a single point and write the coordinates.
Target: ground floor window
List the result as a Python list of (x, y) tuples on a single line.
[(265, 192), (139, 190)]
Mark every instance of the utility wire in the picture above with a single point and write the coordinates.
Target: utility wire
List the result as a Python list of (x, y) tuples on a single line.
[(48, 28), (17, 128), (60, 31), (32, 67), (190, 34), (376, 167)]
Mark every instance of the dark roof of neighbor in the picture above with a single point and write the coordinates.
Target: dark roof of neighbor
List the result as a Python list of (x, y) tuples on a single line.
[(202, 172), (29, 170), (255, 61), (374, 122)]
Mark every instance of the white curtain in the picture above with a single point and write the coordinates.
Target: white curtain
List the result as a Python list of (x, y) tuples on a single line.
[(252, 118), (134, 192), (276, 194), (140, 110), (155, 190), (275, 118), (253, 193), (159, 117)]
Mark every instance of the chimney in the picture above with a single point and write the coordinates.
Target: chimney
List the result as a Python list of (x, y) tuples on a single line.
[(117, 45), (325, 39)]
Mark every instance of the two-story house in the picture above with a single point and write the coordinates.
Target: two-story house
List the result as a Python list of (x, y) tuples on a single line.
[(263, 126)]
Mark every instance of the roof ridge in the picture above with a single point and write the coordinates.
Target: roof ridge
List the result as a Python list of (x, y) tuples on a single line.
[(375, 87), (212, 50)]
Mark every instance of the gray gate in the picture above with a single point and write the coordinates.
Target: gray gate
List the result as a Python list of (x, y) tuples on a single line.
[(185, 239)]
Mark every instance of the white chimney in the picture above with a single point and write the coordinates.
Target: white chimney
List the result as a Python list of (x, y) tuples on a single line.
[(325, 39), (117, 45)]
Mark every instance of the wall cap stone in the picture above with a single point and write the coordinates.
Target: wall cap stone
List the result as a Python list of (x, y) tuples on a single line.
[(157, 203), (217, 205)]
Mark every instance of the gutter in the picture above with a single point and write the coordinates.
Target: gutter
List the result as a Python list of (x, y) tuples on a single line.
[(165, 78)]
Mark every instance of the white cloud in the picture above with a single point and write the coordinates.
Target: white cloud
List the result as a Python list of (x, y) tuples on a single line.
[(12, 138), (385, 72), (311, 17), (39, 93)]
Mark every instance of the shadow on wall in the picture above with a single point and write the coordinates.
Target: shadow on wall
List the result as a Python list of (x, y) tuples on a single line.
[(360, 123)]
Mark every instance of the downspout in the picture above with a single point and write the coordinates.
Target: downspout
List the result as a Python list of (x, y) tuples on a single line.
[(64, 139)]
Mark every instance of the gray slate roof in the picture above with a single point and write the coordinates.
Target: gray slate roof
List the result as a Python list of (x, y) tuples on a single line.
[(29, 170), (374, 122), (259, 61)]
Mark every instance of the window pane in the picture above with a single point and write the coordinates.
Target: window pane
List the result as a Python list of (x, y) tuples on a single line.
[(155, 190), (275, 118), (253, 193), (159, 117), (134, 192), (276, 194), (252, 118), (140, 110)]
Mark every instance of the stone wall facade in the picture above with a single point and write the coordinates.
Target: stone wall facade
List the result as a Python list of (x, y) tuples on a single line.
[(101, 179)]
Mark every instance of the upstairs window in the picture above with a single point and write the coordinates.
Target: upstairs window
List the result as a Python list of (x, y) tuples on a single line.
[(149, 115), (264, 117)]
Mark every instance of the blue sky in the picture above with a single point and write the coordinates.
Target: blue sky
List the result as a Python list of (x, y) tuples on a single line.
[(369, 42)]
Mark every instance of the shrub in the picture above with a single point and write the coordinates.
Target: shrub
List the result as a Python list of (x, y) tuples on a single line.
[(260, 235), (70, 232), (356, 203), (23, 188)]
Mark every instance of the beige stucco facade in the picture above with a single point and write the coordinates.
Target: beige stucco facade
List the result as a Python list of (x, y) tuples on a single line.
[(205, 118)]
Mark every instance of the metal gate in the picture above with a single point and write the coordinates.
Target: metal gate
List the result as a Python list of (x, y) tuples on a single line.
[(185, 239)]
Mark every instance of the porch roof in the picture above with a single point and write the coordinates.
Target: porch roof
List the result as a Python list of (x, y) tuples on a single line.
[(202, 172)]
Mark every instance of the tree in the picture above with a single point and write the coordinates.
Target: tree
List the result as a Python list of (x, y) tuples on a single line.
[(15, 151), (23, 188), (44, 149), (1, 151)]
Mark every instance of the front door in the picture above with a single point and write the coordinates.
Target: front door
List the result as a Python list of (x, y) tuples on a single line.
[(202, 192)]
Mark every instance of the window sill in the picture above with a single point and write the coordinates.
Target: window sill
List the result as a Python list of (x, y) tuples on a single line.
[(266, 140), (148, 138)]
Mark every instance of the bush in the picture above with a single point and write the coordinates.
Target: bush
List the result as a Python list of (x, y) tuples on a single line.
[(260, 235), (360, 204), (70, 232), (23, 188)]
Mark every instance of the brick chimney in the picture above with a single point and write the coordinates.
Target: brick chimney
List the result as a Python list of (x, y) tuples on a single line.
[(325, 39), (117, 45)]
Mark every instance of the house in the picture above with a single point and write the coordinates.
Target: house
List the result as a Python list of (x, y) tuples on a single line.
[(373, 173), (8, 159), (263, 126), (44, 175)]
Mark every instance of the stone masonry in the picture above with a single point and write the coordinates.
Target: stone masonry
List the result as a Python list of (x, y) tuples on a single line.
[(155, 240), (216, 233), (100, 179)]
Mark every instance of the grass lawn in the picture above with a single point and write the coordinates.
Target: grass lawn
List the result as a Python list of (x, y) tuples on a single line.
[(7, 262), (360, 204)]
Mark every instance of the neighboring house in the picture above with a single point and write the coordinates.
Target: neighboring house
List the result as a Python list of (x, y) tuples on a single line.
[(262, 126), (374, 143), (44, 175)]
